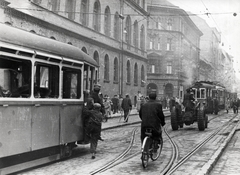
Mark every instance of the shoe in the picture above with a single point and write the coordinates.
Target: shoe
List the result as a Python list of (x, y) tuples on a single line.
[(93, 156), (100, 138)]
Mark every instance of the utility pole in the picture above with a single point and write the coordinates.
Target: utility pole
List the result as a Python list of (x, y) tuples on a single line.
[(121, 54)]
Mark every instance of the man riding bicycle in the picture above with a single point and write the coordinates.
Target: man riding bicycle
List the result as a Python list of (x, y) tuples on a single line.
[(152, 116)]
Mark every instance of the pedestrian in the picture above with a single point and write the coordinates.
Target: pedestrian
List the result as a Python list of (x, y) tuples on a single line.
[(227, 105), (115, 102), (94, 127), (127, 107), (152, 116), (107, 105)]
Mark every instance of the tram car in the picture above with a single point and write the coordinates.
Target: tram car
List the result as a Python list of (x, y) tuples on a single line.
[(206, 102), (41, 98)]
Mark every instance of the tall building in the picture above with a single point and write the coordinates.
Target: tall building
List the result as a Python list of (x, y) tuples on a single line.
[(210, 49), (111, 32), (173, 49)]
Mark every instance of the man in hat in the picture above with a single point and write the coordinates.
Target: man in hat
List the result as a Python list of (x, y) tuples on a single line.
[(152, 116), (94, 127), (127, 107), (188, 100), (96, 97)]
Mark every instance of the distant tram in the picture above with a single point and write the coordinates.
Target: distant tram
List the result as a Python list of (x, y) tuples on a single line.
[(41, 98)]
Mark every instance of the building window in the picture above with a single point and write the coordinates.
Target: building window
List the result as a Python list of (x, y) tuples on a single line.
[(151, 44), (84, 12), (142, 75), (169, 24), (129, 30), (107, 21), (55, 5), (96, 16), (70, 9), (158, 24), (159, 44), (142, 35), (128, 72), (169, 44), (135, 74), (169, 68), (152, 69), (135, 34), (115, 70), (106, 68), (84, 50), (116, 26), (96, 57)]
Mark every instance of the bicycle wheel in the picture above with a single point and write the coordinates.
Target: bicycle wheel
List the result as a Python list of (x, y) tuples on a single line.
[(156, 149), (145, 151)]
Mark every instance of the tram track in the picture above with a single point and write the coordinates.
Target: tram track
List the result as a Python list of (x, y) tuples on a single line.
[(124, 153), (179, 163)]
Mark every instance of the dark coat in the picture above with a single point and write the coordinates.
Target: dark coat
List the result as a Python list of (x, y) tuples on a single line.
[(98, 99), (126, 104), (187, 101), (152, 115)]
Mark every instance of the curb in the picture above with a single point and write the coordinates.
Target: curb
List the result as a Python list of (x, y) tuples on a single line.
[(206, 169)]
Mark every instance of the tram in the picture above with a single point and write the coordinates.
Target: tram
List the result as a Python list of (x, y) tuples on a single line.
[(41, 98)]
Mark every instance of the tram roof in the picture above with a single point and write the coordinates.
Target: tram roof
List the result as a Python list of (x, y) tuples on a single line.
[(23, 38)]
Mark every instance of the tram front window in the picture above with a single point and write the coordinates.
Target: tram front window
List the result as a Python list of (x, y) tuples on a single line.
[(46, 81), (15, 78)]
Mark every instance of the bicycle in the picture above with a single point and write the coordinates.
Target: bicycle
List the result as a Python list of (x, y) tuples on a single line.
[(151, 147)]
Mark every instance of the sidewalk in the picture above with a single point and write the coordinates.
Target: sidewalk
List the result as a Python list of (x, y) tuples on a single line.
[(117, 121)]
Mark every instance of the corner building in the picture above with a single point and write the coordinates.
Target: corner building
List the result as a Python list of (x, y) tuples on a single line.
[(173, 49), (111, 32)]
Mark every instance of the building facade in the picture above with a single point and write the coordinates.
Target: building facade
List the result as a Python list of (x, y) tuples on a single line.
[(114, 34), (173, 49)]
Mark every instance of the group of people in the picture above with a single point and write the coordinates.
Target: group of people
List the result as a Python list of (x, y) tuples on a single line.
[(234, 104), (98, 108)]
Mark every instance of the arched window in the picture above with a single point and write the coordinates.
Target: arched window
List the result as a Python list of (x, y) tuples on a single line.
[(135, 74), (84, 12), (70, 9), (96, 16), (96, 57), (128, 30), (128, 72), (107, 21), (142, 75), (106, 68), (84, 50), (142, 35), (115, 70), (135, 34), (116, 26)]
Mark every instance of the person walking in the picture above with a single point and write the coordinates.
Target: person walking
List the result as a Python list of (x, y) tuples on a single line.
[(127, 107), (107, 105), (94, 127), (115, 102), (152, 116)]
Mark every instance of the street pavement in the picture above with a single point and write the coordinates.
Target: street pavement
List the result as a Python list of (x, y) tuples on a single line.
[(117, 120)]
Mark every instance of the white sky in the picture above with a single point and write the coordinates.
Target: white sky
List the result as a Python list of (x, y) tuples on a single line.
[(222, 18)]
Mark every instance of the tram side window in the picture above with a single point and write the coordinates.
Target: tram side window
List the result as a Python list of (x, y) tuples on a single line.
[(71, 83), (46, 81), (15, 78)]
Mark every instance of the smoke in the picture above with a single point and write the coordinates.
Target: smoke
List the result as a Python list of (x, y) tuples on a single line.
[(189, 72)]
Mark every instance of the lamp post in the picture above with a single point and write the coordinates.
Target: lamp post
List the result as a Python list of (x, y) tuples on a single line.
[(121, 47)]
